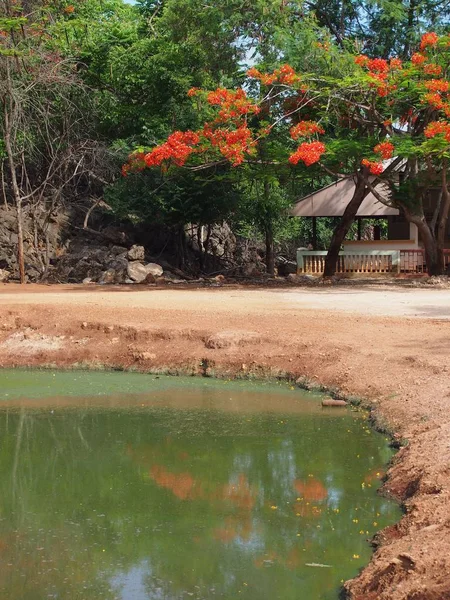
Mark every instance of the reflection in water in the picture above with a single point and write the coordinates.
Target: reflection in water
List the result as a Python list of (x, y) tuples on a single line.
[(157, 503)]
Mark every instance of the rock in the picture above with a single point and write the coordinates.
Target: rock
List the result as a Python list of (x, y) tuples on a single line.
[(154, 269), (136, 253), (332, 402), (286, 267), (219, 278), (149, 278), (88, 281), (4, 275), (136, 271), (108, 276)]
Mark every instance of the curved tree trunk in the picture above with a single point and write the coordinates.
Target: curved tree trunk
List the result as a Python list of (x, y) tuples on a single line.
[(433, 264), (442, 223), (344, 225)]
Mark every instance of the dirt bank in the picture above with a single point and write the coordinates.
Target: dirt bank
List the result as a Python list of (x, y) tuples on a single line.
[(390, 346)]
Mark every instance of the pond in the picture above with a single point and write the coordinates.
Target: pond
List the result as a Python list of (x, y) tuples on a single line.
[(129, 486)]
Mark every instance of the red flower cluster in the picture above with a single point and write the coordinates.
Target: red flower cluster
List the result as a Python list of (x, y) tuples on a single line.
[(233, 145), (284, 75), (434, 100), (437, 85), (305, 129), (432, 69), (386, 149), (438, 128), (429, 39), (193, 92), (395, 63), (374, 167), (378, 65), (418, 59), (361, 60), (233, 104), (178, 147), (308, 152), (378, 71), (265, 78)]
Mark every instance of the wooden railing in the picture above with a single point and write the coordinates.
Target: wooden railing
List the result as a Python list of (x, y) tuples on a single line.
[(371, 261)]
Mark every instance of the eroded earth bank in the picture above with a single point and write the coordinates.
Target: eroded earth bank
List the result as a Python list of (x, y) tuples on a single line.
[(391, 347)]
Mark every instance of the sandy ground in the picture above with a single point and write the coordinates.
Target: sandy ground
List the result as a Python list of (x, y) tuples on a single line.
[(391, 346)]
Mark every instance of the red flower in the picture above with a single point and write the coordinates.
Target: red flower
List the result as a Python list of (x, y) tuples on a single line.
[(305, 129), (437, 128), (361, 60), (434, 100), (254, 73), (308, 152), (418, 59), (386, 149), (231, 144), (437, 85), (178, 147), (429, 39), (378, 65), (395, 63), (432, 69), (285, 74), (374, 167)]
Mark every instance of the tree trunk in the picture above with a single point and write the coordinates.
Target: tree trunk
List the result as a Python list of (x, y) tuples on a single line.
[(200, 247), (428, 239), (443, 220), (270, 257), (7, 117), (20, 254), (344, 225), (268, 230), (17, 199)]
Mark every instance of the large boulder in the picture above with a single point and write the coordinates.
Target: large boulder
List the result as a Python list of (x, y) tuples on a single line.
[(4, 275), (136, 253), (138, 272)]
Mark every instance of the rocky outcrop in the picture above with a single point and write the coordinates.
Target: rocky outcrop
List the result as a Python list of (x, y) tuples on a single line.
[(41, 242)]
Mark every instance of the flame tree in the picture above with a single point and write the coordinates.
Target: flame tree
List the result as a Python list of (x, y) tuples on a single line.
[(383, 123)]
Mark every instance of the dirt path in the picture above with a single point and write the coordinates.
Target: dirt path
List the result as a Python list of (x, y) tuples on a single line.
[(391, 346)]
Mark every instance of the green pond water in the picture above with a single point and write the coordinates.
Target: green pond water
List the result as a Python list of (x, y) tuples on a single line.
[(132, 487)]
